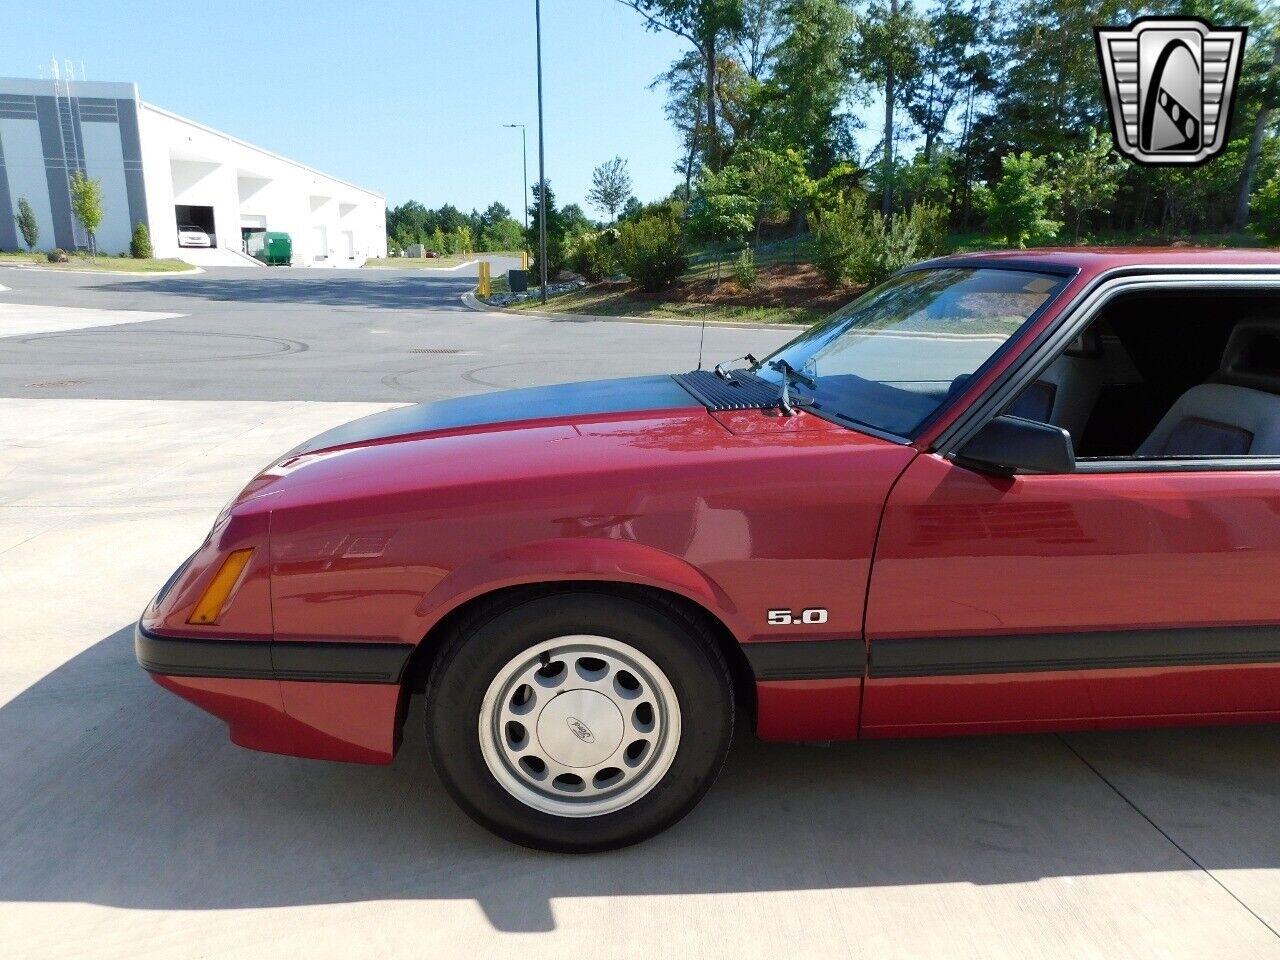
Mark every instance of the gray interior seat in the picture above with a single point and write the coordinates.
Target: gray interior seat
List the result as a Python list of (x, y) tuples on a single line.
[(1065, 394), (1237, 413)]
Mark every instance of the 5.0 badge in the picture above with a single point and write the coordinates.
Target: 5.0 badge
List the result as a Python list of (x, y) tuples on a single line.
[(781, 618)]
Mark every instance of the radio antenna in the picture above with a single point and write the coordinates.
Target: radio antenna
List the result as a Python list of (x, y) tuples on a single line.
[(702, 338)]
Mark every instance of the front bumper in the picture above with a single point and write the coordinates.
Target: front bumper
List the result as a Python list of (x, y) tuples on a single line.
[(320, 699)]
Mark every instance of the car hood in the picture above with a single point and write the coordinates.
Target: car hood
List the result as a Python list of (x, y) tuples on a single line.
[(543, 444), (564, 401)]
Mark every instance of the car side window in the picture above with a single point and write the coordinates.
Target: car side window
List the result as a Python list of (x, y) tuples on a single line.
[(1163, 377)]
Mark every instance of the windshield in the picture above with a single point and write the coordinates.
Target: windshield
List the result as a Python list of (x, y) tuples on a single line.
[(893, 356)]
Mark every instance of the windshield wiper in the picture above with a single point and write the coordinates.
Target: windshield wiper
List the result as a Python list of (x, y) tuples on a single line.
[(724, 374), (789, 374)]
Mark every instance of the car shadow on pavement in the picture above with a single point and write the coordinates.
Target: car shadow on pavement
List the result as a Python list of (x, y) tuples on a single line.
[(114, 792), (396, 291)]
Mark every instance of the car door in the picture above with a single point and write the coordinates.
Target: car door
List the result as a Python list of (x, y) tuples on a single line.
[(1124, 592), (1036, 602)]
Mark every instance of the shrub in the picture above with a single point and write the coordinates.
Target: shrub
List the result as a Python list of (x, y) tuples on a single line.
[(1018, 204), (140, 244), (28, 226), (744, 270), (651, 251), (57, 256), (845, 245), (1264, 207), (594, 255), (855, 245)]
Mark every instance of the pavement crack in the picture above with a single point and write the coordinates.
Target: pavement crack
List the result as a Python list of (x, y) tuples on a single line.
[(1164, 833)]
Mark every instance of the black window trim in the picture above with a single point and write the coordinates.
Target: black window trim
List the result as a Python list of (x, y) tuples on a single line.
[(1077, 315)]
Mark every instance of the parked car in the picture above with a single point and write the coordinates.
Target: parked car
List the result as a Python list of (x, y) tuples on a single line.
[(1009, 492), (193, 236)]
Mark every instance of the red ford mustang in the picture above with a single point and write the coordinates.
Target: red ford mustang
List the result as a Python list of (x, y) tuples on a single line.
[(1011, 492)]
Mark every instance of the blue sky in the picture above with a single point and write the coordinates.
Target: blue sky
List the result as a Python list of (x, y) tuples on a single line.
[(405, 98)]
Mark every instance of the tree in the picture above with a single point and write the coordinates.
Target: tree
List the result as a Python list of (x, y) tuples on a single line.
[(774, 179), (1269, 97), (1266, 211), (610, 187), (575, 219), (27, 224), (503, 235), (493, 214), (723, 212), (557, 230), (1018, 204), (891, 43), (814, 75), (140, 243), (1086, 180), (762, 30), (952, 32), (631, 208), (684, 111), (1049, 95), (709, 25), (461, 239), (86, 204)]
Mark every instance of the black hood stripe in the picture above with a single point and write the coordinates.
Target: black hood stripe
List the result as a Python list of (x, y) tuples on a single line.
[(509, 406)]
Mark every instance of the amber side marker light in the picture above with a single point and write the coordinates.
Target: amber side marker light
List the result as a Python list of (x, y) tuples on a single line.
[(215, 595)]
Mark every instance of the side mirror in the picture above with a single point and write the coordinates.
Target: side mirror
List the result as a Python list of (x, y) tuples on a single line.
[(1011, 444)]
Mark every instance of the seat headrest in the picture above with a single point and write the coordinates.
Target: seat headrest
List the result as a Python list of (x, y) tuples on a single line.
[(1088, 345), (1252, 356)]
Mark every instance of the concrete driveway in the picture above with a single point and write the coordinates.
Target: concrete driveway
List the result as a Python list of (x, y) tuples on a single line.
[(130, 827)]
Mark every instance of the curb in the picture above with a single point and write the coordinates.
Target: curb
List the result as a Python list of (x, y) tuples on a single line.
[(104, 273), (474, 303), (460, 266)]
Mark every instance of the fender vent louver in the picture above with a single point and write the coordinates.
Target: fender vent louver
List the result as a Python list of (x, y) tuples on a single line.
[(745, 391)]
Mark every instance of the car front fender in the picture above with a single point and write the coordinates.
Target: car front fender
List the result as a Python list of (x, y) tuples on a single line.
[(578, 559)]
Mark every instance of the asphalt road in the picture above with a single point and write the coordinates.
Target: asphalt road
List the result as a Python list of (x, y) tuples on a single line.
[(130, 827), (398, 336)]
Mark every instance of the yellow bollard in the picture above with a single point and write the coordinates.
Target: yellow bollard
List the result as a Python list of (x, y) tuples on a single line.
[(484, 285), (524, 260)]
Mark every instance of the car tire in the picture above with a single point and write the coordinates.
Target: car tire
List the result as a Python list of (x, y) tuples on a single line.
[(630, 697)]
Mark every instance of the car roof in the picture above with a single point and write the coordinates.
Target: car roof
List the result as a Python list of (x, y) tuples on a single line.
[(1095, 260)]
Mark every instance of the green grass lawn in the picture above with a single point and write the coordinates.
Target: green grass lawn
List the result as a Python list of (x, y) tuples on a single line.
[(435, 263), (103, 263)]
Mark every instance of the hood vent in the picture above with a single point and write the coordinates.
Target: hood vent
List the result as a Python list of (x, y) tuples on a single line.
[(745, 391)]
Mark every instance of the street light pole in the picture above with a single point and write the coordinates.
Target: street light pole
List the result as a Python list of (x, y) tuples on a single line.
[(524, 148), (542, 166)]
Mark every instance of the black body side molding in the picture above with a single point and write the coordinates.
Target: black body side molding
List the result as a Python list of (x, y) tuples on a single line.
[(319, 660), (1026, 653), (1098, 650), (806, 659)]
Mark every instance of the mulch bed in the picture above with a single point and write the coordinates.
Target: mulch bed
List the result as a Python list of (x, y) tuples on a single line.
[(779, 285)]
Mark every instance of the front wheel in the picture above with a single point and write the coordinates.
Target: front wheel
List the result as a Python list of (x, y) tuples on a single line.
[(577, 722)]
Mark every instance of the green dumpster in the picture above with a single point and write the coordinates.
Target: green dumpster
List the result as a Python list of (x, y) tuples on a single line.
[(277, 248)]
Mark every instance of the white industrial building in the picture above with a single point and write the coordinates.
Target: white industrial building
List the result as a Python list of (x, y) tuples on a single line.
[(167, 171)]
